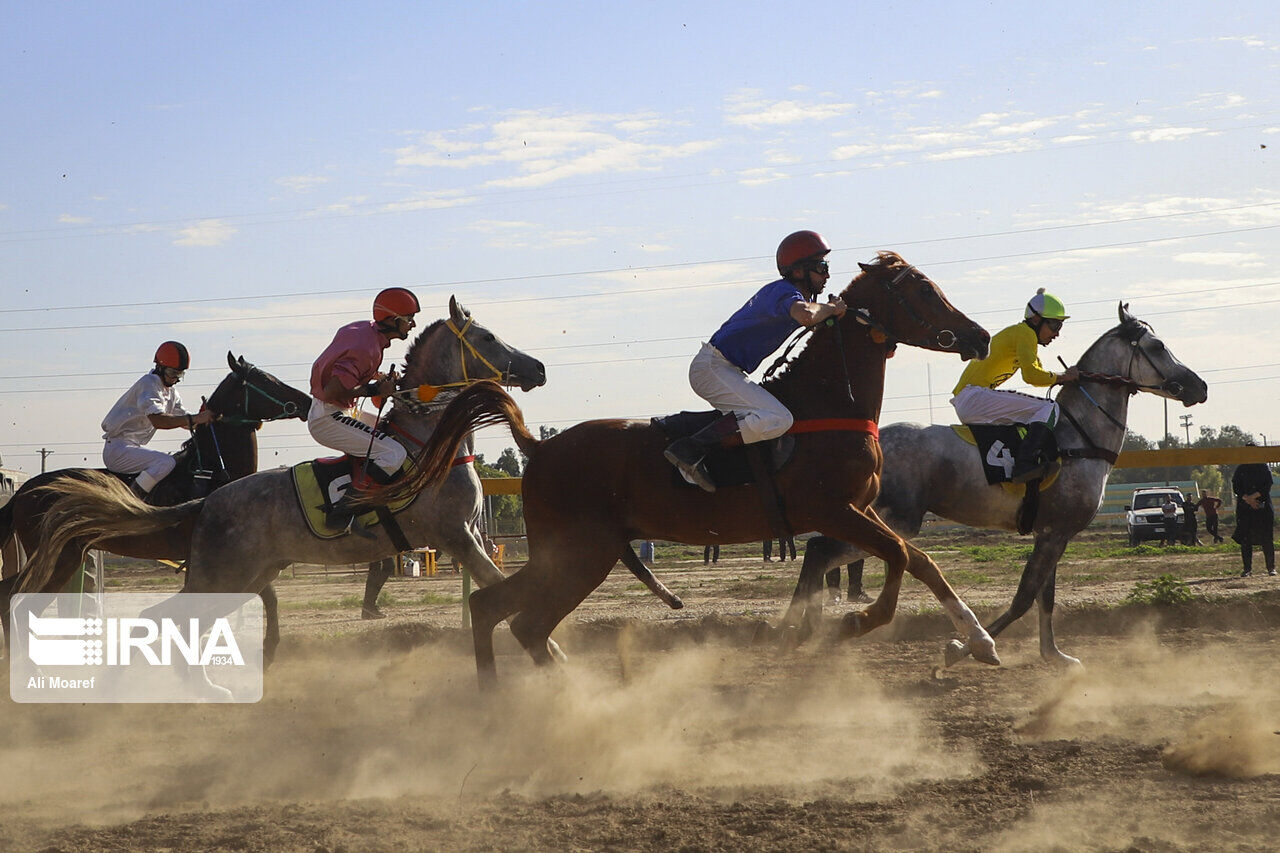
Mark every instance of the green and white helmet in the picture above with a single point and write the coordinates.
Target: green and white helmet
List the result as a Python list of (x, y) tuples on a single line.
[(1046, 305)]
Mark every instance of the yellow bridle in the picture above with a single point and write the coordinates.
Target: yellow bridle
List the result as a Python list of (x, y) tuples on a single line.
[(426, 393)]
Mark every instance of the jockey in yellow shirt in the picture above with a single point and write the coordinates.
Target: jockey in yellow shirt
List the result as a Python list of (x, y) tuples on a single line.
[(978, 400)]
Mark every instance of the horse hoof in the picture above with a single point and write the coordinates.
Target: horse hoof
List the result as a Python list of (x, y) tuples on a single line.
[(675, 603), (984, 651), (1063, 661), (851, 625), (557, 654), (954, 652)]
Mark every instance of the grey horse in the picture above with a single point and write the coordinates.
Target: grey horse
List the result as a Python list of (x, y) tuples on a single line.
[(931, 469), (248, 531)]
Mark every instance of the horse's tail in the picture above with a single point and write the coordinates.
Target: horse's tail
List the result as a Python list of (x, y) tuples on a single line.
[(476, 406), (6, 523), (89, 510)]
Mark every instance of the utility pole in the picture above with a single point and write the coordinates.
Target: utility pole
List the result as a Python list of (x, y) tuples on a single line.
[(1186, 424), (44, 454)]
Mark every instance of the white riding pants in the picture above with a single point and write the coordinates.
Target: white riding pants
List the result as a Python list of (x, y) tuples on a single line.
[(125, 457), (977, 405), (350, 431), (723, 384)]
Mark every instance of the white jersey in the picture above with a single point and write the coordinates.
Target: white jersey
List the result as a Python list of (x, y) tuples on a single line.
[(127, 421)]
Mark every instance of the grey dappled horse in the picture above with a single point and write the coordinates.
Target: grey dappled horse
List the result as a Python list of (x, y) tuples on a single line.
[(248, 531), (931, 469)]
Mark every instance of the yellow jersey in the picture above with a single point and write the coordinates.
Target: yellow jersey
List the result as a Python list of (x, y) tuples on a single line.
[(1012, 349)]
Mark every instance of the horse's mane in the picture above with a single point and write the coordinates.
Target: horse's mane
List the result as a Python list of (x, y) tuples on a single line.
[(822, 338), (411, 355), (1131, 329)]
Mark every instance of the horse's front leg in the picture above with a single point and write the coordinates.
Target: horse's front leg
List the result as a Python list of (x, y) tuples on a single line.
[(864, 529), (820, 554), (980, 643), (1040, 567)]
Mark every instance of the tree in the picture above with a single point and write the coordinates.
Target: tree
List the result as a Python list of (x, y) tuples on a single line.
[(508, 462)]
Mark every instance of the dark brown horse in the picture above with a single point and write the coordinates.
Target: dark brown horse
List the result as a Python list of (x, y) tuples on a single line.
[(592, 489), (217, 453)]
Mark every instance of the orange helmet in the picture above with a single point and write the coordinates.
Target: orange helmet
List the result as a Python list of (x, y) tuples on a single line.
[(800, 246), (395, 302), (173, 355)]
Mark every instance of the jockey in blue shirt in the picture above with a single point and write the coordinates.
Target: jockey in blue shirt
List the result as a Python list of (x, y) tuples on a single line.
[(719, 371)]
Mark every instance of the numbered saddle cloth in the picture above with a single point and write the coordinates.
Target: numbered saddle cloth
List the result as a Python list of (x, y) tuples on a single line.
[(320, 483), (997, 445)]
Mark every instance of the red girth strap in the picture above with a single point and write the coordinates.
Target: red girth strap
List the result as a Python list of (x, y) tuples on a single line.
[(837, 425), (461, 460)]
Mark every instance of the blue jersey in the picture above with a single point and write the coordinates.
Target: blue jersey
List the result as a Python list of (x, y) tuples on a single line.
[(759, 327)]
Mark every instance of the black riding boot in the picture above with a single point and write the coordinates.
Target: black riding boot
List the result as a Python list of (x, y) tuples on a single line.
[(1037, 455), (344, 515), (688, 453)]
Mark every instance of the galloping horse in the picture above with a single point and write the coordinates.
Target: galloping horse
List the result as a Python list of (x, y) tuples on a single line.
[(593, 488), (216, 453), (245, 533), (931, 469)]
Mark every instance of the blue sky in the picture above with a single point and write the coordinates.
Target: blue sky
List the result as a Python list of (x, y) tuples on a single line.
[(602, 184)]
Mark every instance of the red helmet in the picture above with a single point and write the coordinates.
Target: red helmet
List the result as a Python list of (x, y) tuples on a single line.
[(395, 302), (174, 355), (800, 246)]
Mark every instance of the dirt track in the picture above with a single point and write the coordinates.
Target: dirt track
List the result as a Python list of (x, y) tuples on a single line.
[(685, 731)]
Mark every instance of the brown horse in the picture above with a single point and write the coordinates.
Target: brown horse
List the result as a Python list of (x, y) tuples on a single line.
[(592, 489)]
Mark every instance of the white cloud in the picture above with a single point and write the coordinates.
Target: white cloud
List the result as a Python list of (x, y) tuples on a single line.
[(1164, 134), (302, 183), (544, 146), (207, 232), (68, 219), (1221, 259), (519, 234), (749, 109)]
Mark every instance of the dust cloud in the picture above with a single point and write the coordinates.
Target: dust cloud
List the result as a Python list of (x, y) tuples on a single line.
[(347, 725)]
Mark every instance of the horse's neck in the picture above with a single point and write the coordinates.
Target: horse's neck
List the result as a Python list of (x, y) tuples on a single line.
[(1097, 427), (438, 361), (814, 384), (237, 446)]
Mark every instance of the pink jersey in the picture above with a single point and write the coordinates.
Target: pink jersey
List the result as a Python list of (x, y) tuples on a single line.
[(354, 358)]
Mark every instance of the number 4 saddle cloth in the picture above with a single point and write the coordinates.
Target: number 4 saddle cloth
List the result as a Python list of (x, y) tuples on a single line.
[(997, 445)]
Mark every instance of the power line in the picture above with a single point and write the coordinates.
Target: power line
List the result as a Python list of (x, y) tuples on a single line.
[(679, 265)]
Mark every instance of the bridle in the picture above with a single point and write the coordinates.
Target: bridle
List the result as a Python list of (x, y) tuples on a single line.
[(1125, 381), (288, 408), (945, 338), (408, 398)]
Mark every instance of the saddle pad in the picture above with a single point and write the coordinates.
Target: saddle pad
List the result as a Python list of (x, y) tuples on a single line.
[(321, 482), (997, 444)]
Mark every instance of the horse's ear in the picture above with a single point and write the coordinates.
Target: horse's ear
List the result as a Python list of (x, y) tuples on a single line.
[(1125, 316), (864, 267), (457, 312), (231, 362)]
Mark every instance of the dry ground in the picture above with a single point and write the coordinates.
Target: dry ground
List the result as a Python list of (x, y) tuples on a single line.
[(691, 730)]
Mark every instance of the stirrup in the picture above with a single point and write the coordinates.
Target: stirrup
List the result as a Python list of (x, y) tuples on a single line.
[(693, 470)]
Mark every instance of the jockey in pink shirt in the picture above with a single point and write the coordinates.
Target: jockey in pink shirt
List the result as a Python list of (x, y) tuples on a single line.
[(349, 369)]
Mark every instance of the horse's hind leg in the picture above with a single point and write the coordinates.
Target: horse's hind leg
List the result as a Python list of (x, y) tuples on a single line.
[(271, 610), (1049, 650)]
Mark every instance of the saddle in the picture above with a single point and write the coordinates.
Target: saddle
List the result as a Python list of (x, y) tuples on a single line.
[(729, 466), (321, 483)]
